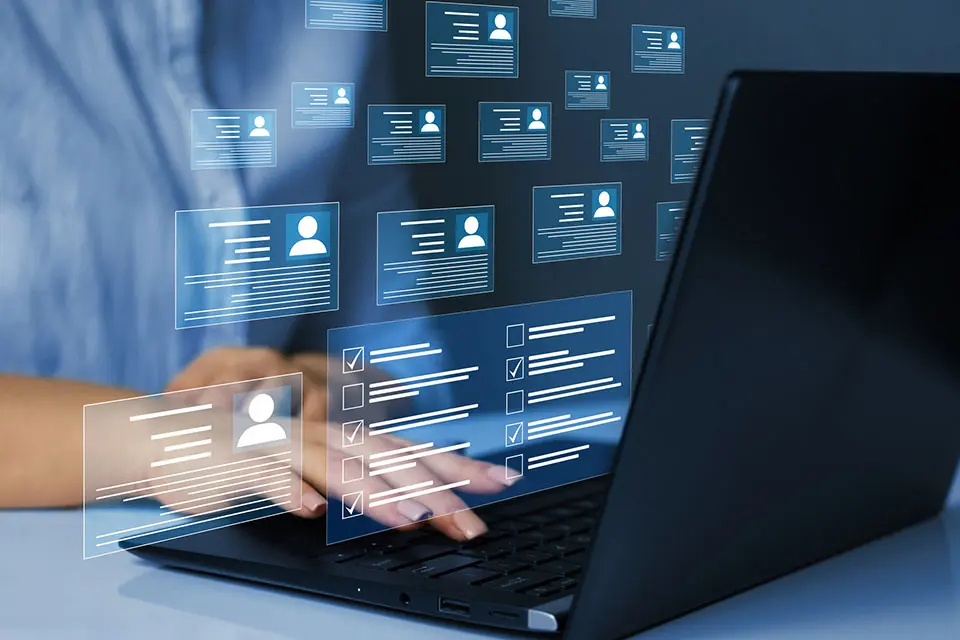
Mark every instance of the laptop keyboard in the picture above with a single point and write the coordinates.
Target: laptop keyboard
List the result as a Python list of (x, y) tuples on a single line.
[(536, 545)]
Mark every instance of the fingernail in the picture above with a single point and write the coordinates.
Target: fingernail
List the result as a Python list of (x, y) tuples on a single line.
[(414, 511), (504, 475), (469, 524), (313, 501)]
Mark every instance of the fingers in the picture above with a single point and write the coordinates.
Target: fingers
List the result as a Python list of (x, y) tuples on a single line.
[(358, 494), (483, 477), (453, 519), (312, 504)]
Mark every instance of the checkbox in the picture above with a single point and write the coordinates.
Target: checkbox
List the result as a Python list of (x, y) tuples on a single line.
[(352, 469), (352, 505), (353, 360), (513, 435), (352, 396), (515, 335), (514, 465), (515, 369), (352, 433), (514, 402)]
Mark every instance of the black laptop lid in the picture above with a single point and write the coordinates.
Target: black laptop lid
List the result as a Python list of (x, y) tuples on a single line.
[(801, 393)]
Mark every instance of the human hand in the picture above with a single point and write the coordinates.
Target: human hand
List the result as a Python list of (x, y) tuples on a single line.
[(323, 444)]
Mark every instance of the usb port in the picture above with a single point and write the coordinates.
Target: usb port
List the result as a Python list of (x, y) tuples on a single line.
[(454, 607)]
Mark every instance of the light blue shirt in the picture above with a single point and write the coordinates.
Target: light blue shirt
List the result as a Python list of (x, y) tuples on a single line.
[(95, 99)]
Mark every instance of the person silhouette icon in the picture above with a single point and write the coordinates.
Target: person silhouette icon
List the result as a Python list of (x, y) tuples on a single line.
[(604, 210), (430, 125), (601, 84), (259, 130), (500, 33), (638, 134), (260, 410), (342, 97), (536, 124), (472, 240), (307, 245), (674, 44)]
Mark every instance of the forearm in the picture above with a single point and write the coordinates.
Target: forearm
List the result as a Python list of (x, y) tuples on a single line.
[(41, 430)]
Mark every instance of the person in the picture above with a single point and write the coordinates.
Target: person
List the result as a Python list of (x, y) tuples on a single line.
[(92, 179)]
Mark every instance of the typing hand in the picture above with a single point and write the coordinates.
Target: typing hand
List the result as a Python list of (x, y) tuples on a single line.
[(350, 474)]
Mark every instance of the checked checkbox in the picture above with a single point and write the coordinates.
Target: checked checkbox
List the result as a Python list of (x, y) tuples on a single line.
[(352, 505), (353, 360), (513, 435), (514, 369), (352, 433)]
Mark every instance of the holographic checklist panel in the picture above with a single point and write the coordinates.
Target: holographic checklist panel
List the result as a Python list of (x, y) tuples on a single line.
[(535, 389)]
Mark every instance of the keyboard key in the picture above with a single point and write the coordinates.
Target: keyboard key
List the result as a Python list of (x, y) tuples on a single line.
[(562, 548), (469, 575), (563, 512), (560, 568), (514, 526), (438, 565), (399, 559), (519, 581), (582, 538), (341, 556), (587, 504), (568, 583), (540, 536), (545, 590), (505, 566), (538, 518), (533, 557)]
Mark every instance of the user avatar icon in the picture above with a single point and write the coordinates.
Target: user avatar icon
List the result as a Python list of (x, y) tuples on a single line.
[(536, 122), (638, 134), (261, 410), (500, 33), (342, 97), (674, 38), (472, 240), (429, 123), (604, 210), (259, 128), (601, 84), (308, 245)]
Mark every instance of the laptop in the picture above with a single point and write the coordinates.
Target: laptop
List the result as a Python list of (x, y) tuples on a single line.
[(799, 396)]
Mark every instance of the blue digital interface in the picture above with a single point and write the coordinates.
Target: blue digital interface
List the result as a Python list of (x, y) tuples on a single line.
[(228, 459), (587, 89), (669, 221), (688, 140), (573, 8), (254, 263), (233, 138), (542, 389), (406, 134), (322, 104), (515, 131), (434, 253), (353, 15), (624, 139), (576, 221), (657, 49), (472, 40)]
